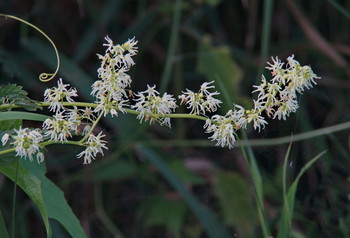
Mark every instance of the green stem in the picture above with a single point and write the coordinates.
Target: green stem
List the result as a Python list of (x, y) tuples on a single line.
[(101, 213), (44, 77), (130, 111), (14, 201), (91, 129), (45, 143)]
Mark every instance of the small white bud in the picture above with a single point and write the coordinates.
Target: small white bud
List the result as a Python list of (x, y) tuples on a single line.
[(40, 157), (5, 138)]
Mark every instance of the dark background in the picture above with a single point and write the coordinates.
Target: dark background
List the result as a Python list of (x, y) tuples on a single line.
[(122, 193)]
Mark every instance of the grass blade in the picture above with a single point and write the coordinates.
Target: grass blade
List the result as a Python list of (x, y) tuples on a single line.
[(258, 186), (286, 218), (3, 230), (287, 212), (340, 8)]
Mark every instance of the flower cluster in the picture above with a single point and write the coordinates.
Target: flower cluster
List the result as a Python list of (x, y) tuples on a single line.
[(110, 90), (111, 97), (56, 96), (276, 98), (149, 103), (94, 145), (201, 102), (26, 143), (61, 126), (223, 130)]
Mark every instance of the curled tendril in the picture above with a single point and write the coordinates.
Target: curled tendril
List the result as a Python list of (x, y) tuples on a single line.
[(43, 77), (46, 77)]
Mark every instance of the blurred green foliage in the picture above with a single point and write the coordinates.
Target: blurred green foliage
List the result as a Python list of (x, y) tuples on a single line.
[(157, 182)]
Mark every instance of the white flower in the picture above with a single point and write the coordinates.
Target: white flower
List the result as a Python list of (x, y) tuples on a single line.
[(193, 101), (112, 82), (287, 105), (94, 145), (55, 96), (261, 88), (130, 46), (5, 138), (107, 105), (26, 142), (120, 55), (257, 119), (276, 64), (259, 105), (109, 44), (238, 117), (222, 129), (149, 103), (292, 63), (86, 129), (201, 102), (74, 118), (276, 70), (303, 78), (60, 127), (87, 113)]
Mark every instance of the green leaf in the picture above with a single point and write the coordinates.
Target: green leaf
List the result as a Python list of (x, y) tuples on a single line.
[(55, 202), (163, 212), (11, 91), (235, 200), (216, 64), (31, 185), (288, 206), (22, 116), (15, 95), (3, 230), (7, 125), (7, 159), (209, 220), (46, 195), (286, 217)]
